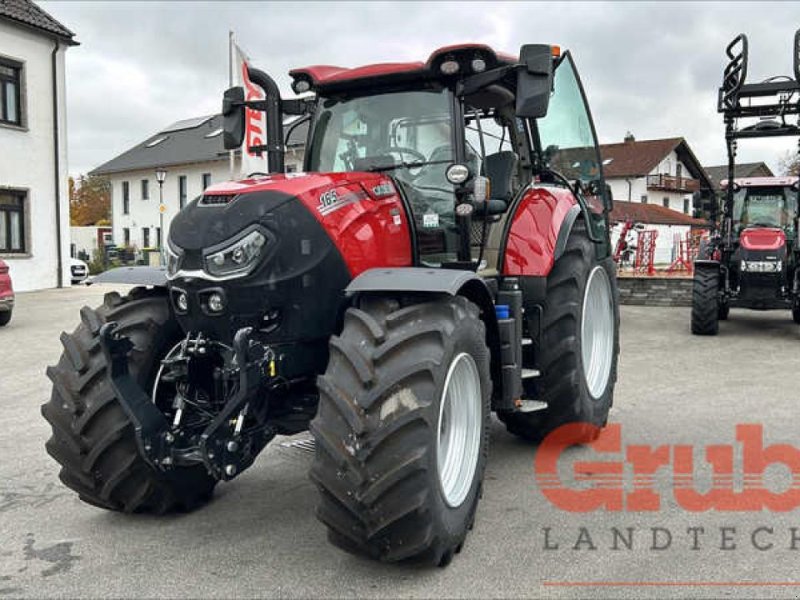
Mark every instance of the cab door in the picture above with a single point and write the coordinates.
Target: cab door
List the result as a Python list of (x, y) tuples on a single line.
[(566, 138)]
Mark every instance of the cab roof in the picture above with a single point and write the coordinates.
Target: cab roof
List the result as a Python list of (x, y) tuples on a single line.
[(761, 181), (329, 77)]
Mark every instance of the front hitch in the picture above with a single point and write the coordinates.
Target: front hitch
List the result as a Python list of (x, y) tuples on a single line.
[(151, 427), (226, 447)]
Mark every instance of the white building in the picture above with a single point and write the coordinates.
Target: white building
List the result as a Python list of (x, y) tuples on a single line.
[(87, 240), (652, 182), (34, 204), (193, 155)]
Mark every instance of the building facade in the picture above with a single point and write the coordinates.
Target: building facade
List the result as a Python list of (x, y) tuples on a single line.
[(192, 154), (34, 203), (660, 174)]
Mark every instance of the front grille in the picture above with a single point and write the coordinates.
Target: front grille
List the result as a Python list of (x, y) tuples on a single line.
[(217, 199)]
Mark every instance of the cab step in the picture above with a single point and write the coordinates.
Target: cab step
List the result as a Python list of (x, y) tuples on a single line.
[(528, 406), (527, 341), (530, 373)]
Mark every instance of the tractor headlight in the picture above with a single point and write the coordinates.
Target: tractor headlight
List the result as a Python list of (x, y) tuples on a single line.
[(238, 258), (173, 260)]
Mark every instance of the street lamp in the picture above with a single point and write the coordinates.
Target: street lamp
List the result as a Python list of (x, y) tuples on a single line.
[(161, 175)]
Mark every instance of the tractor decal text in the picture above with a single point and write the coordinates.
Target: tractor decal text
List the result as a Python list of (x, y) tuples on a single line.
[(636, 477)]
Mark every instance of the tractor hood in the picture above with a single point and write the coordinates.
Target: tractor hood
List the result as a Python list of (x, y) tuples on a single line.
[(762, 238), (225, 209)]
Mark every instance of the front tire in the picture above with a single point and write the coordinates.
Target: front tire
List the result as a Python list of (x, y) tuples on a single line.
[(5, 318), (93, 438), (402, 429), (705, 302), (578, 348)]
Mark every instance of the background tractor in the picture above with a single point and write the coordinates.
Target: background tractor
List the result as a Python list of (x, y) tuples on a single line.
[(751, 257), (444, 255)]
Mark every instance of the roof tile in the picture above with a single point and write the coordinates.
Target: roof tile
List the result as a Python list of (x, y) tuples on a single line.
[(28, 13), (651, 214)]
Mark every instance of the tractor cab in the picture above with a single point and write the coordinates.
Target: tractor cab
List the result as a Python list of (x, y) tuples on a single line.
[(764, 202), (461, 136)]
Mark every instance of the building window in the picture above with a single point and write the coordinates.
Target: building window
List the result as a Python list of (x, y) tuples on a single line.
[(10, 96), (12, 222), (206, 180), (126, 198), (145, 189), (158, 237), (644, 198), (679, 170), (291, 168), (182, 190), (665, 202), (145, 237), (686, 206), (126, 237)]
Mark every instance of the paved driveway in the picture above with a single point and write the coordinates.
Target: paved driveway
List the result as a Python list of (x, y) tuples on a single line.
[(260, 538)]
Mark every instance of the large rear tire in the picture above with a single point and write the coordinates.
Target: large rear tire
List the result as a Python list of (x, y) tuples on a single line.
[(578, 347), (93, 438), (5, 318), (402, 429), (705, 302)]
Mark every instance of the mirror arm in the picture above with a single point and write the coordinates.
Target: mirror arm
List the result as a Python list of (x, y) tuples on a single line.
[(473, 83), (272, 108)]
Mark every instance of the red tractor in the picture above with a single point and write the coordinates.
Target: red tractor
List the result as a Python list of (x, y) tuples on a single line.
[(752, 255), (444, 255)]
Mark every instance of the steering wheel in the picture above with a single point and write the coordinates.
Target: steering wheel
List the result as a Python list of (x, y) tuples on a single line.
[(416, 154)]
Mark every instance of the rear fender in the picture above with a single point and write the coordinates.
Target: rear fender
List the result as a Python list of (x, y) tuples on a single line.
[(538, 231), (707, 264)]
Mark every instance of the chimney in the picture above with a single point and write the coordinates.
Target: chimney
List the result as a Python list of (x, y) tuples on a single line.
[(629, 138)]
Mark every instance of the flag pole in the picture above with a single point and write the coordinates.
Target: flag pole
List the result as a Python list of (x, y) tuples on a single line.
[(231, 159)]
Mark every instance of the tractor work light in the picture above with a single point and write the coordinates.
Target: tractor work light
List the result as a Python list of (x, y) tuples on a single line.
[(478, 65), (300, 86), (457, 173), (182, 302), (215, 303), (449, 67), (238, 258), (761, 266)]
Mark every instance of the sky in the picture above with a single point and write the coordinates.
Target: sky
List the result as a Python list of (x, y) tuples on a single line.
[(651, 68)]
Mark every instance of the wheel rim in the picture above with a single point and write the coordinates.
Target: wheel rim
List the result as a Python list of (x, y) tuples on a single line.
[(597, 332), (459, 430)]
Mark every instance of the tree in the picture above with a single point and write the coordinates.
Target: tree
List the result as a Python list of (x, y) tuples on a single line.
[(89, 200), (790, 164)]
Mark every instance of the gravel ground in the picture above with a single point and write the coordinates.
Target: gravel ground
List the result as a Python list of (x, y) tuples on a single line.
[(259, 536)]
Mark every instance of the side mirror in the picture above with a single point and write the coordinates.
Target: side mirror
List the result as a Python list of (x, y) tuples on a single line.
[(608, 199), (233, 117), (534, 80)]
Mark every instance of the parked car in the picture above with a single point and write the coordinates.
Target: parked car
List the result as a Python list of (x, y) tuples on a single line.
[(79, 270), (6, 294)]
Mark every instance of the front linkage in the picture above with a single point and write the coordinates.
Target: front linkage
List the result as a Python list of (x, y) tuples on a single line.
[(225, 446)]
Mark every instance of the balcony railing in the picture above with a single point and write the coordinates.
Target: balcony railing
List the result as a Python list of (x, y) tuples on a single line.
[(672, 183)]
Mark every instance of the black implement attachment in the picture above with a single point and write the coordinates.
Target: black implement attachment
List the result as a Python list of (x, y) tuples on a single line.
[(235, 436)]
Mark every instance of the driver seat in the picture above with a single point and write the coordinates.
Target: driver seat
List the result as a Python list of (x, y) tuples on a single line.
[(500, 168)]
